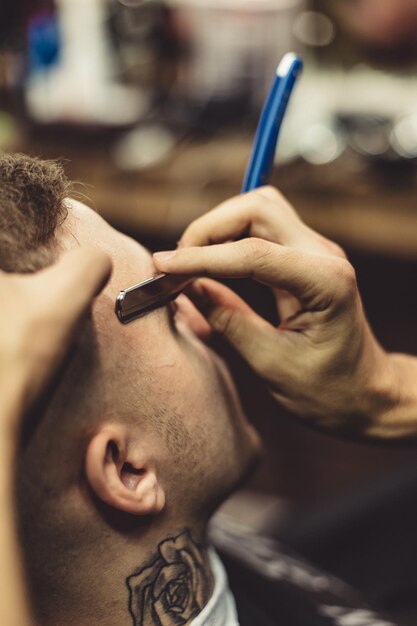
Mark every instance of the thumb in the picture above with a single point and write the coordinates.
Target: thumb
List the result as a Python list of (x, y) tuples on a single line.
[(74, 281), (249, 334), (62, 295)]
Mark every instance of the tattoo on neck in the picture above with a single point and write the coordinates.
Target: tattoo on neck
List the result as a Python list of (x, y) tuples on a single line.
[(172, 587)]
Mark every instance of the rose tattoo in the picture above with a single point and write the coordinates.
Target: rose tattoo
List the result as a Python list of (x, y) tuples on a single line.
[(173, 588)]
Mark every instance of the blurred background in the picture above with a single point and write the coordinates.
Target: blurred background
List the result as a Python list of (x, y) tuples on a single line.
[(152, 106)]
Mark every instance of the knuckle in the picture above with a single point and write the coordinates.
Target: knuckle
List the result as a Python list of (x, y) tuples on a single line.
[(257, 256), (270, 192), (255, 250), (253, 201), (345, 279), (261, 197), (268, 197), (266, 205), (276, 201), (334, 249)]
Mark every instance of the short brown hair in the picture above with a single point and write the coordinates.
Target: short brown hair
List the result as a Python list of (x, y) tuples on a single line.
[(32, 207)]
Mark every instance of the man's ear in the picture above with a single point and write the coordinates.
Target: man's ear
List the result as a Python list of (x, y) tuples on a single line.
[(120, 472)]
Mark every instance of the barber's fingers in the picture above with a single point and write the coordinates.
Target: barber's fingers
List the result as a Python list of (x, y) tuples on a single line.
[(41, 312), (69, 286), (232, 318), (286, 303), (62, 294), (260, 213), (59, 296), (311, 278), (186, 311)]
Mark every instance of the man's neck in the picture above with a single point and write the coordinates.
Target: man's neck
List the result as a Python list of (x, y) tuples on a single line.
[(164, 578), (174, 584)]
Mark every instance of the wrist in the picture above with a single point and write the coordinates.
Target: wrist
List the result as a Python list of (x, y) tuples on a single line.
[(392, 400)]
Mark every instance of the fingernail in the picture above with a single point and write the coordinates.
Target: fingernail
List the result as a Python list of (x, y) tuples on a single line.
[(165, 255)]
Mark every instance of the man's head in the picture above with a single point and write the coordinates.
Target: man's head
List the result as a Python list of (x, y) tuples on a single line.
[(144, 431)]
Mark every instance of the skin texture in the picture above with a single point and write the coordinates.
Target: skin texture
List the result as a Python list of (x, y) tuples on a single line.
[(322, 362), (142, 439), (34, 340)]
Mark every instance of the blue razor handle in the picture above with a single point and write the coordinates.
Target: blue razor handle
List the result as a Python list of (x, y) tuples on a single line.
[(266, 138)]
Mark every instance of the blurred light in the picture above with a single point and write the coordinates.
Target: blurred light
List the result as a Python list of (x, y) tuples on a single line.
[(314, 29), (9, 131), (320, 144), (368, 135), (134, 3), (404, 137), (144, 147), (234, 47)]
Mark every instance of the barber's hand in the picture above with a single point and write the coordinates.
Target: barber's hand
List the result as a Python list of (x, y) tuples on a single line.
[(322, 362), (38, 316)]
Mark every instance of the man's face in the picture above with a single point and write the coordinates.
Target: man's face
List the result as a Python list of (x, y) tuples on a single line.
[(159, 377)]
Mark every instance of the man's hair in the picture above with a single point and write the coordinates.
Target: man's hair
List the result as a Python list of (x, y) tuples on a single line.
[(32, 207)]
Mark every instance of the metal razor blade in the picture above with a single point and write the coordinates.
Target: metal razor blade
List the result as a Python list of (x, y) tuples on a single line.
[(149, 295)]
